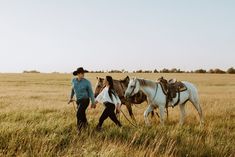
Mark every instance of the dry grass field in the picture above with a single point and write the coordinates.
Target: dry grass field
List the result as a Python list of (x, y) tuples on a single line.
[(36, 120)]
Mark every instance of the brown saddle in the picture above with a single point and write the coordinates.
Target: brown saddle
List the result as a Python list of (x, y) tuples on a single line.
[(164, 84), (171, 87)]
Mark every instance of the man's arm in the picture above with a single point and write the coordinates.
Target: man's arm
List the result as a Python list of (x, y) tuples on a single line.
[(72, 93), (71, 96), (90, 93)]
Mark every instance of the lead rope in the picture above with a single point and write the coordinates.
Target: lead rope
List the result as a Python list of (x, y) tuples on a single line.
[(128, 119), (123, 112)]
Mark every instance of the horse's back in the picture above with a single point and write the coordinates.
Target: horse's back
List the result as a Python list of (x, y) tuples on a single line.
[(191, 88), (189, 85)]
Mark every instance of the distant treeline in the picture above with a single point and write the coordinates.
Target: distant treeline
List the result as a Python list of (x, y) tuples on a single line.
[(110, 71), (31, 71), (174, 70)]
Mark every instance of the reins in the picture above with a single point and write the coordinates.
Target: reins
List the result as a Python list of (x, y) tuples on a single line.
[(155, 93), (133, 88)]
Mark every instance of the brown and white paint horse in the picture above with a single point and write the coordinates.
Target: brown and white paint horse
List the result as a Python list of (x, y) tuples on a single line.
[(120, 87)]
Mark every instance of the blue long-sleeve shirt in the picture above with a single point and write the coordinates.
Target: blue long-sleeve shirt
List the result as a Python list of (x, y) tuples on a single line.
[(82, 89)]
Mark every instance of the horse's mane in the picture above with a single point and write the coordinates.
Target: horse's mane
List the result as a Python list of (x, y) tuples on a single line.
[(114, 80), (146, 83)]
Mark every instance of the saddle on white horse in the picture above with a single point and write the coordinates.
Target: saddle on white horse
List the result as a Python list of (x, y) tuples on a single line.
[(171, 88)]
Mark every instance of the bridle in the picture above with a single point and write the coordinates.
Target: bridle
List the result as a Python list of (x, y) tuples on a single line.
[(133, 88), (102, 87)]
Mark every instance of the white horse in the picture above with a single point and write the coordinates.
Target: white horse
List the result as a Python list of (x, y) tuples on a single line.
[(157, 98)]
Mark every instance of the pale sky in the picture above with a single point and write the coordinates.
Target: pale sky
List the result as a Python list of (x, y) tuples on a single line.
[(56, 35)]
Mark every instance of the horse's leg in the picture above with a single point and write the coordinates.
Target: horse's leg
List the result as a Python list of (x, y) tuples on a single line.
[(162, 113), (196, 104), (182, 113), (146, 113), (167, 113), (129, 108), (152, 114)]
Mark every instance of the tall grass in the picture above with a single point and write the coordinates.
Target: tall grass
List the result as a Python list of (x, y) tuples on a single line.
[(36, 121)]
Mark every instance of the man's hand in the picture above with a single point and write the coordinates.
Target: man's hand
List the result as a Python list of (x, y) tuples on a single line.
[(70, 101), (93, 106)]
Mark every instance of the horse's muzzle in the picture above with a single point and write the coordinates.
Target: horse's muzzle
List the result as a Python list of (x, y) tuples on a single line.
[(127, 95)]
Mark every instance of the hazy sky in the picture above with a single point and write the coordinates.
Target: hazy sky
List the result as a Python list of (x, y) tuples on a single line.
[(56, 35)]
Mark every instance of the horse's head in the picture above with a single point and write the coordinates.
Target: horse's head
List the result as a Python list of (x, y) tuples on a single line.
[(125, 81), (133, 88), (99, 86)]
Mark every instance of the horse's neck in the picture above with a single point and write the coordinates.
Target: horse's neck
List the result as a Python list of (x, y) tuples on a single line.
[(120, 89), (149, 91)]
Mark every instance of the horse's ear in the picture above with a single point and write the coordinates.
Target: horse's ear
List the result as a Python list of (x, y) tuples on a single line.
[(161, 78), (127, 78)]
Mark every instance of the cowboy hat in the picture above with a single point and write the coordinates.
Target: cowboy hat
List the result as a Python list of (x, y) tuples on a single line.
[(79, 70)]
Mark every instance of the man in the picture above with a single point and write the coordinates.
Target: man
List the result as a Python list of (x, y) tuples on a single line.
[(82, 89)]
